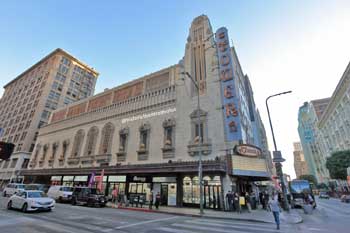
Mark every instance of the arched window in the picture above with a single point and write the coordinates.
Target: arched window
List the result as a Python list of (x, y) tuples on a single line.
[(106, 139), (37, 151), (91, 141), (45, 149), (78, 141)]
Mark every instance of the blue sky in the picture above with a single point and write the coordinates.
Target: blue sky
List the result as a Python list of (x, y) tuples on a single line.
[(281, 45)]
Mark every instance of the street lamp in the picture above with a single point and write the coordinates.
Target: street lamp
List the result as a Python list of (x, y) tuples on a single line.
[(200, 172), (277, 155)]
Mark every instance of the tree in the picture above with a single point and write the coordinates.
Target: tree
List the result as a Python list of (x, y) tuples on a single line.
[(310, 178), (337, 164)]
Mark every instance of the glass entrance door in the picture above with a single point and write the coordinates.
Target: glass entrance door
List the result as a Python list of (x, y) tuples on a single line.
[(212, 196), (164, 194)]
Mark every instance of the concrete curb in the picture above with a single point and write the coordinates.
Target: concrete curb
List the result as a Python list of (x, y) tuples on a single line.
[(300, 220)]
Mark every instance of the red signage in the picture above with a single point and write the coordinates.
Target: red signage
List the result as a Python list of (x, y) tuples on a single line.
[(248, 150)]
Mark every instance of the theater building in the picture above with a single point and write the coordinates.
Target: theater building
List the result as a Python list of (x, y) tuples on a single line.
[(144, 135)]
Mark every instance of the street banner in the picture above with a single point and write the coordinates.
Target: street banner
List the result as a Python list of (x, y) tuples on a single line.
[(99, 185), (91, 180)]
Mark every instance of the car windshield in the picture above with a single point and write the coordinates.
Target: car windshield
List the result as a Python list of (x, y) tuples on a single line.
[(300, 187), (66, 189), (20, 186), (35, 194), (95, 191)]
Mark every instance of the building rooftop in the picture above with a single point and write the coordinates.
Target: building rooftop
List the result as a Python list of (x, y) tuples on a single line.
[(56, 51)]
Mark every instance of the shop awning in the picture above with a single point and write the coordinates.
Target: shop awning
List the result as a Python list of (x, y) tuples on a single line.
[(209, 166)]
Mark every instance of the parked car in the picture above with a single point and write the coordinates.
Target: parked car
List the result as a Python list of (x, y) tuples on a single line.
[(88, 196), (323, 195), (13, 188), (40, 187), (60, 193), (30, 200), (345, 198)]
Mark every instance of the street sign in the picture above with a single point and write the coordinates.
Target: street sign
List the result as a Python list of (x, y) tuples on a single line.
[(277, 157)]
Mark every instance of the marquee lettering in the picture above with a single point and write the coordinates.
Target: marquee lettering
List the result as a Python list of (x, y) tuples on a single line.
[(232, 126), (222, 35), (228, 91), (226, 75), (223, 45), (231, 110), (224, 60)]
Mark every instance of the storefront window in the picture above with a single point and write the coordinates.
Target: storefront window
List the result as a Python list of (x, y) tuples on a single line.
[(211, 191), (191, 190)]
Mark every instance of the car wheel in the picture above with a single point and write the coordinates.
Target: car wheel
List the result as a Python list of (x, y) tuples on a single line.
[(59, 200), (24, 207), (74, 201), (9, 205)]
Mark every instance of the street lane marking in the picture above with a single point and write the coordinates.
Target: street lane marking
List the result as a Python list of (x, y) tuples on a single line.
[(145, 222), (315, 229), (235, 226), (234, 221), (172, 230), (205, 228)]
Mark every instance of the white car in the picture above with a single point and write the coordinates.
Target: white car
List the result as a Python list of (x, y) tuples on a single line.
[(30, 200), (60, 193), (13, 188)]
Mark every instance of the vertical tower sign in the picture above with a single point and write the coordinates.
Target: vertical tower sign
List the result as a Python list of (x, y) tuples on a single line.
[(228, 89)]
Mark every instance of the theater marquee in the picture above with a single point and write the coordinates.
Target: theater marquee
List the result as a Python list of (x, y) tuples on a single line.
[(248, 150)]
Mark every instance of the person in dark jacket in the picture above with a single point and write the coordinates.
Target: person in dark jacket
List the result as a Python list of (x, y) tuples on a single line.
[(229, 199), (247, 202), (236, 202), (266, 201), (261, 199), (157, 200)]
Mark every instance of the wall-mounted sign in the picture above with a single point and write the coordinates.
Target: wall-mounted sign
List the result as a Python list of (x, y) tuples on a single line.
[(248, 150), (228, 88), (141, 179)]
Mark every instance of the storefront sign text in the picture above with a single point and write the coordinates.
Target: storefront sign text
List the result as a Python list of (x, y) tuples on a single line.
[(248, 150)]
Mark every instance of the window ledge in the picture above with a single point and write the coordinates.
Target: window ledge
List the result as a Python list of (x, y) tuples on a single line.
[(205, 148), (121, 156)]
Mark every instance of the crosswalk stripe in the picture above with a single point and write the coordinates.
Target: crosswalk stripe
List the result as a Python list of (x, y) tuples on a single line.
[(235, 226), (235, 222), (173, 230), (204, 228)]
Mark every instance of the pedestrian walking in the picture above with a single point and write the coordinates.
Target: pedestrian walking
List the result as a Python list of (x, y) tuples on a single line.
[(261, 199), (150, 200), (115, 196), (236, 202), (266, 201), (275, 208), (229, 199), (247, 202), (157, 200)]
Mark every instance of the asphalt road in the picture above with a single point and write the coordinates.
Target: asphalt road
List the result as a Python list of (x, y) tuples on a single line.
[(331, 216)]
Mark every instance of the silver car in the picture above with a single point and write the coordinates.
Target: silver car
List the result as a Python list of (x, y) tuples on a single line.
[(30, 200)]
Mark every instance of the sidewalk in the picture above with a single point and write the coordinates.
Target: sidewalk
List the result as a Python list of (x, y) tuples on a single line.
[(293, 217)]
